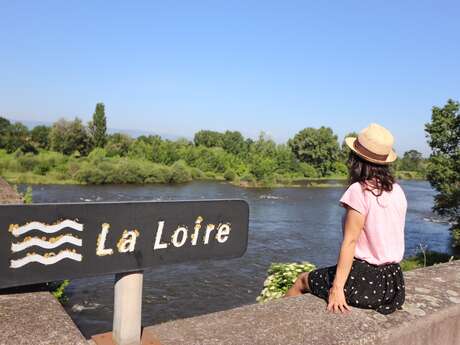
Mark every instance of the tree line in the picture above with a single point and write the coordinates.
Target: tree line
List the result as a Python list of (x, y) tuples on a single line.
[(72, 150)]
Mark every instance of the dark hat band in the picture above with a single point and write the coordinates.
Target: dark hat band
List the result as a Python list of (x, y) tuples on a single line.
[(365, 152)]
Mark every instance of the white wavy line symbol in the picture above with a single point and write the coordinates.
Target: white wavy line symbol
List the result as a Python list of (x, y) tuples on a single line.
[(49, 229), (46, 244), (49, 260)]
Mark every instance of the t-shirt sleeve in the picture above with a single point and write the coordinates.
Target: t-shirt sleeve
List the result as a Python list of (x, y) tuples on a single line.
[(354, 197)]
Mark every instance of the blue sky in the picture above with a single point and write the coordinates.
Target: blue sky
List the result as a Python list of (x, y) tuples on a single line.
[(278, 66)]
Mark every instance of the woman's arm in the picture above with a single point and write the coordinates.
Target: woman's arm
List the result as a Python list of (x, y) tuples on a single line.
[(354, 223)]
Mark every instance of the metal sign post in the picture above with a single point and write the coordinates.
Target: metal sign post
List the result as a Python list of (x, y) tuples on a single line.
[(48, 242)]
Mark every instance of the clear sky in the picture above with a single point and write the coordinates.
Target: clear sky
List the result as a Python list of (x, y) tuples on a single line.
[(278, 66)]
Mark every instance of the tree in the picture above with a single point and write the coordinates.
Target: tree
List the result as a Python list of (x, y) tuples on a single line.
[(318, 147), (17, 137), (118, 144), (262, 157), (344, 149), (208, 138), (98, 126), (69, 137), (443, 134), (4, 127), (285, 160), (233, 142), (412, 160), (40, 136)]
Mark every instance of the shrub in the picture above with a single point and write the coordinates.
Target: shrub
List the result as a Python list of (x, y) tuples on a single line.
[(197, 174), (210, 175), (248, 177), (27, 162), (58, 290), (281, 276), (229, 175), (41, 168), (262, 167), (340, 168), (27, 195), (308, 170), (158, 174), (97, 154), (180, 172), (91, 174), (128, 171), (426, 258)]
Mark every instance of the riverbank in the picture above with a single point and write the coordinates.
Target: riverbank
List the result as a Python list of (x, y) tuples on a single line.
[(48, 167), (31, 178)]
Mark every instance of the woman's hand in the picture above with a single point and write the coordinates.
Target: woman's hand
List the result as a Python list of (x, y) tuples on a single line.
[(337, 302)]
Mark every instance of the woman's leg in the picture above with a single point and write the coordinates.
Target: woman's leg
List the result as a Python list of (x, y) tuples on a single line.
[(300, 286)]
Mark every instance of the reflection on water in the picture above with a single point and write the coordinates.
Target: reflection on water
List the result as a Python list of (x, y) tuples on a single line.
[(286, 224)]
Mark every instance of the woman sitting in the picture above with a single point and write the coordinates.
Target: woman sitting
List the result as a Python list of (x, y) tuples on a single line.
[(367, 274)]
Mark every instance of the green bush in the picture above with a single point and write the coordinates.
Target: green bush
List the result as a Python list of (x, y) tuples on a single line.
[(248, 177), (197, 174), (229, 175), (308, 170), (409, 175), (41, 168), (340, 168), (97, 154), (90, 174), (158, 174), (281, 276), (27, 162), (180, 172), (210, 175), (58, 290), (27, 196), (426, 258)]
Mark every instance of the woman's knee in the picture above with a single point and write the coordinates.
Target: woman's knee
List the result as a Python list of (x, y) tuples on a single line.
[(303, 280)]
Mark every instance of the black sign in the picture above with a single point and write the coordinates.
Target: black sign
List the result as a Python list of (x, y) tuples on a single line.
[(46, 242)]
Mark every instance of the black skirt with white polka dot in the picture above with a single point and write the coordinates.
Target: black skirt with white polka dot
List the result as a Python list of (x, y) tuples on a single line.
[(368, 286)]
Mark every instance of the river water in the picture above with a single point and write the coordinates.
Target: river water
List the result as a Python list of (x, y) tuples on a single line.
[(286, 224)]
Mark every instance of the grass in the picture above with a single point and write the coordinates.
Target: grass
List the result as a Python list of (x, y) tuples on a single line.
[(426, 258), (409, 175), (31, 178)]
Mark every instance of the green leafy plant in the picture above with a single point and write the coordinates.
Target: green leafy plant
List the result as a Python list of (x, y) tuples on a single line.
[(444, 164), (27, 196), (281, 276), (58, 290), (424, 258)]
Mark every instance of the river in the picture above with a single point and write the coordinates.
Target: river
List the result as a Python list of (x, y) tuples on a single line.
[(286, 224)]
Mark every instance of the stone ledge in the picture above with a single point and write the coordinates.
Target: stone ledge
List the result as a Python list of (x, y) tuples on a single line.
[(431, 315), (36, 319)]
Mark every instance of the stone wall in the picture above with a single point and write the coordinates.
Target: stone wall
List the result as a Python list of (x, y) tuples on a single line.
[(431, 315), (33, 318), (36, 319), (7, 194)]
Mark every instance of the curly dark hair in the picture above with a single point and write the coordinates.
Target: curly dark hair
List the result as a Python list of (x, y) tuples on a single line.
[(376, 178)]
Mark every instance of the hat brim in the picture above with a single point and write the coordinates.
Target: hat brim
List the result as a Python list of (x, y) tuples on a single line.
[(392, 156)]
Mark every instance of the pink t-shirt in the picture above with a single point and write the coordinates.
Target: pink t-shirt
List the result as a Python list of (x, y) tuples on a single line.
[(382, 239)]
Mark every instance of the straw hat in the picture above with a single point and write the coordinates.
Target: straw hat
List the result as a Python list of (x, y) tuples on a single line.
[(374, 144)]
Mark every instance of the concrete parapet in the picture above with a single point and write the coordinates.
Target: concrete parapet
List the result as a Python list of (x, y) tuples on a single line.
[(431, 315), (36, 318)]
